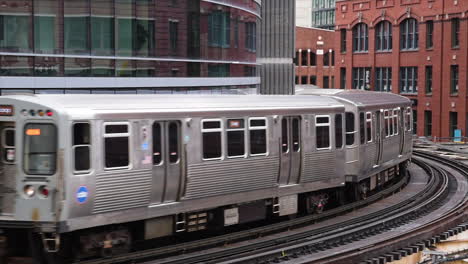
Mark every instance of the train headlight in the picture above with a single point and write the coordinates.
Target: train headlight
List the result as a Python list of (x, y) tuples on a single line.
[(43, 191), (29, 191)]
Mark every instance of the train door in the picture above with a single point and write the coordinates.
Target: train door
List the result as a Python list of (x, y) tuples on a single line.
[(401, 130), (378, 137), (166, 161), (290, 150), (7, 168)]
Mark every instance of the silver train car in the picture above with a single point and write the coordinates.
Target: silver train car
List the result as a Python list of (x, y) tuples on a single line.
[(87, 175), (378, 134)]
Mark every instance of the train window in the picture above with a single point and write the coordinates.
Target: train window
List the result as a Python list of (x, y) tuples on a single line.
[(408, 119), (338, 131), (211, 124), (350, 132), (173, 142), (362, 134), (284, 135), (81, 147), (40, 149), (157, 151), (235, 138), (8, 143), (113, 129), (116, 146), (395, 121), (211, 132), (369, 126), (387, 123), (390, 123), (296, 134), (322, 131), (258, 133)]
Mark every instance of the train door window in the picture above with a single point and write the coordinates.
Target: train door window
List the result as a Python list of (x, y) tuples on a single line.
[(173, 142), (212, 139), (157, 146), (362, 134), (235, 138), (81, 147), (387, 123), (284, 135), (322, 131), (116, 145), (40, 149), (350, 130), (369, 126), (296, 134), (8, 144), (338, 131), (395, 121), (258, 132), (408, 119)]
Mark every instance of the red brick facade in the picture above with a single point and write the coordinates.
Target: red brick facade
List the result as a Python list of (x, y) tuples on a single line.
[(312, 45), (442, 56)]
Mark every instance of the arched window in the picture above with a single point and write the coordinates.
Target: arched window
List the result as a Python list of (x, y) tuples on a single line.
[(360, 38), (409, 34), (383, 36)]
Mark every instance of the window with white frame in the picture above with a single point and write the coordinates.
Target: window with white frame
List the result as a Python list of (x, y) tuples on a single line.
[(258, 134), (408, 120), (81, 146), (387, 123), (395, 121), (350, 128), (116, 145), (235, 134), (212, 138), (322, 132)]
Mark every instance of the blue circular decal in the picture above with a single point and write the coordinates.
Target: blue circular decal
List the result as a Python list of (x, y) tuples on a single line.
[(82, 194)]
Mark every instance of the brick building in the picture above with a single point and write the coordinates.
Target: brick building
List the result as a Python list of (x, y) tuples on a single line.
[(314, 60), (417, 48)]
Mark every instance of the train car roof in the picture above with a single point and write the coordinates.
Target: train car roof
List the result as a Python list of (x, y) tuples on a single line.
[(359, 97), (121, 102)]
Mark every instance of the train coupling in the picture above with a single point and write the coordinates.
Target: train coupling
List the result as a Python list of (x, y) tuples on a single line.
[(51, 242)]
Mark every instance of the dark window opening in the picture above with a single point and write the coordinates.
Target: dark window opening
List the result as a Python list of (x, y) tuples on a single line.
[(304, 58), (343, 40), (173, 142), (258, 141), (157, 146), (322, 130), (338, 131), (235, 137), (81, 146), (362, 128), (349, 128), (428, 79), (453, 79), (296, 136), (455, 32), (429, 34)]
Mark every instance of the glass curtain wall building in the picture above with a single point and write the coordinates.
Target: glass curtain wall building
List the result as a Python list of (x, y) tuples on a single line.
[(145, 45), (323, 14)]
